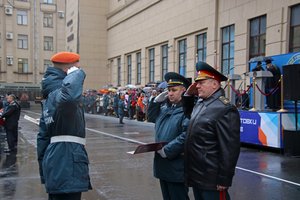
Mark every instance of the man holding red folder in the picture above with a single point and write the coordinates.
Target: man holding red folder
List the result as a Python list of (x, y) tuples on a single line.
[(170, 126)]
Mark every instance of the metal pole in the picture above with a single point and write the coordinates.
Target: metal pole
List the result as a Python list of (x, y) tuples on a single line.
[(253, 94), (228, 89), (281, 99)]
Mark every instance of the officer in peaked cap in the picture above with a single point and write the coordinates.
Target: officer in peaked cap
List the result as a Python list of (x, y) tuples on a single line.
[(175, 79), (170, 126), (205, 71), (215, 127)]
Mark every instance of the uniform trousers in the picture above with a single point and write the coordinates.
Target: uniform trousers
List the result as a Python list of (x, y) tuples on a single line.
[(200, 194), (174, 191), (67, 196), (12, 137)]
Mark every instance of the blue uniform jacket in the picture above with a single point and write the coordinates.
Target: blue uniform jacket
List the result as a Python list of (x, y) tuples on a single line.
[(121, 107), (170, 126), (63, 165)]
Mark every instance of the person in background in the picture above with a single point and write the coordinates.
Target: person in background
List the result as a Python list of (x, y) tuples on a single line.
[(170, 126), (272, 85), (140, 108), (115, 104), (105, 103), (212, 143), (153, 95), (63, 160), (121, 108), (11, 114)]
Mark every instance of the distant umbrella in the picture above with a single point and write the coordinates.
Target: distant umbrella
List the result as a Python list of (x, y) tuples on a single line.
[(163, 85), (130, 86), (111, 89), (103, 91), (147, 89), (257, 59), (268, 58)]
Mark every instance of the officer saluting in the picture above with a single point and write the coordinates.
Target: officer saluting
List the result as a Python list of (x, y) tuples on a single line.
[(170, 126), (62, 157), (213, 137)]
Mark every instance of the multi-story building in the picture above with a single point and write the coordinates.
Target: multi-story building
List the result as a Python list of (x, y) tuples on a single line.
[(31, 31), (86, 32), (147, 38), (137, 41)]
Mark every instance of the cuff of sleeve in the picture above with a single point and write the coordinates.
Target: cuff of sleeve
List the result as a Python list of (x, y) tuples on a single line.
[(224, 181)]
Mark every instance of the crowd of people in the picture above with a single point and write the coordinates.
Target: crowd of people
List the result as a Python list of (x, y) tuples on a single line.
[(134, 102)]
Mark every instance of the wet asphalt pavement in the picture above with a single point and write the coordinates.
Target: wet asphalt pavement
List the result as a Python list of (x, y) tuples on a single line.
[(117, 175)]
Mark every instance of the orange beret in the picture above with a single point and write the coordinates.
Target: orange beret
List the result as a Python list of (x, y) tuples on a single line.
[(65, 57)]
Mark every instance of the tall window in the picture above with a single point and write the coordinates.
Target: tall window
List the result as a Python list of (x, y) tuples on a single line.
[(164, 60), (23, 41), (23, 65), (48, 43), (227, 49), (182, 57), (47, 63), (201, 47), (295, 29), (151, 65), (138, 68), (258, 36), (129, 69), (48, 1), (48, 20), (22, 17), (119, 71)]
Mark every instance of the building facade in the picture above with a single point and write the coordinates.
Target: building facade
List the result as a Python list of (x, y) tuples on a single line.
[(137, 41), (31, 31), (86, 34), (147, 38)]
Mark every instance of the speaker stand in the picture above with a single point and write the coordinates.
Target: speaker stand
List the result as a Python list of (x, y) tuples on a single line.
[(296, 115)]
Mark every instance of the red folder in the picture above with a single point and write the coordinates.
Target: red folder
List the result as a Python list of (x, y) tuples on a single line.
[(143, 148)]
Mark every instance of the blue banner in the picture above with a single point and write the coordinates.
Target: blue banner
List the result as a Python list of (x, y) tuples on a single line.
[(250, 123)]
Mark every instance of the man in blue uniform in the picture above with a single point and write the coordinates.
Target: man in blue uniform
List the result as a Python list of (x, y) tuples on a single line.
[(212, 144), (62, 157), (11, 114), (170, 126)]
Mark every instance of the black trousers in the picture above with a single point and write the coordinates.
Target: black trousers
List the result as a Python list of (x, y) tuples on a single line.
[(174, 191), (12, 137), (67, 196), (200, 194)]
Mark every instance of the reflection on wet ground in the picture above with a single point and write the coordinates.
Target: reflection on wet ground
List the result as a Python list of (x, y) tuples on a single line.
[(117, 175)]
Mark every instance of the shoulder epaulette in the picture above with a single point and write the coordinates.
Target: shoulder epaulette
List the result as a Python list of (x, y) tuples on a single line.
[(224, 100)]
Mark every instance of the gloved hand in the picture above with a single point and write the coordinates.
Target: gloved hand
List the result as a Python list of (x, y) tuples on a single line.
[(161, 97), (72, 69), (162, 153)]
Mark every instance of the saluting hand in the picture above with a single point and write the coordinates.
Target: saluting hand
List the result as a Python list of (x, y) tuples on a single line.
[(192, 90), (161, 97)]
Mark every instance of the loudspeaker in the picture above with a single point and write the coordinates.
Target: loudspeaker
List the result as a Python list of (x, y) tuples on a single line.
[(291, 140), (291, 82)]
